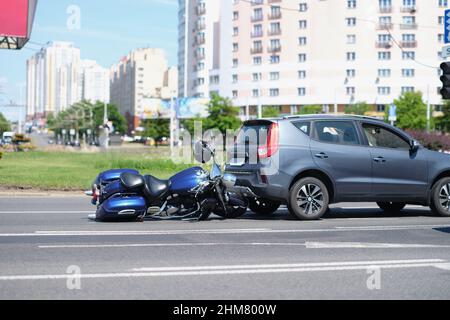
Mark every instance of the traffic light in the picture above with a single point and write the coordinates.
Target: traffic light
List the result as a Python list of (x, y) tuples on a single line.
[(445, 78)]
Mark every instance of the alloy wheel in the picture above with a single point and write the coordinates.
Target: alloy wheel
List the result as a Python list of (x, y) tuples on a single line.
[(310, 199), (444, 197)]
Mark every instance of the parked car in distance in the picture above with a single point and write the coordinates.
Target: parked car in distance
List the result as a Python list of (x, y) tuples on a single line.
[(322, 159)]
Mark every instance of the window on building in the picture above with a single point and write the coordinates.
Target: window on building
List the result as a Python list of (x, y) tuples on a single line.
[(274, 59), (235, 94), (443, 3), (408, 72), (274, 92), (302, 41), (384, 91), (408, 55), (302, 57), (274, 76), (235, 78), (351, 39), (384, 55), (351, 56), (351, 4), (351, 22), (302, 24), (302, 7), (301, 74), (384, 73), (255, 93), (350, 91), (257, 60), (301, 91), (351, 73), (407, 89)]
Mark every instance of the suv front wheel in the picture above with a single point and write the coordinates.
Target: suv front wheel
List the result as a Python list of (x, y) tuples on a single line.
[(308, 199), (440, 197)]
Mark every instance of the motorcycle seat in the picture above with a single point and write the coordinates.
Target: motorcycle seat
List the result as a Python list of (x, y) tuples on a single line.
[(132, 180), (154, 187)]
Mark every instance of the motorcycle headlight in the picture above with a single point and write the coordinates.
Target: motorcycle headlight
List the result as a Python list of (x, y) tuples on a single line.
[(229, 180)]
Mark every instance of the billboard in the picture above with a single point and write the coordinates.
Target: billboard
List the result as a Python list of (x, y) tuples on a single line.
[(16, 22), (185, 108)]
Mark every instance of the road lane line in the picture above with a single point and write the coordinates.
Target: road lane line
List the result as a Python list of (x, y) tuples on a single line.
[(308, 245), (291, 265), (45, 212), (368, 245), (220, 231), (246, 269)]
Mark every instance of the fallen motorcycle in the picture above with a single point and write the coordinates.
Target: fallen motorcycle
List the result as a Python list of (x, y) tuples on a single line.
[(125, 194)]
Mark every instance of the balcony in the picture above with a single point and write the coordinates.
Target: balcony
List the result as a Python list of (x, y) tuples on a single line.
[(201, 10), (408, 26), (200, 40), (383, 45), (257, 2), (200, 26), (257, 18), (274, 32), (385, 26), (408, 9), (257, 34), (274, 15), (274, 49), (256, 50), (408, 44), (385, 9)]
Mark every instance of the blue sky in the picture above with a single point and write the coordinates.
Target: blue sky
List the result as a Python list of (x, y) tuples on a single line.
[(108, 31)]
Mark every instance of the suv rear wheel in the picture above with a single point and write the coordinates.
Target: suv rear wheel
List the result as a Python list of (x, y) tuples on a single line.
[(440, 197), (308, 199), (263, 206), (391, 206)]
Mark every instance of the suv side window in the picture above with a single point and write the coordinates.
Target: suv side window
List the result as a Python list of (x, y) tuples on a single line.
[(342, 132), (378, 136), (304, 126)]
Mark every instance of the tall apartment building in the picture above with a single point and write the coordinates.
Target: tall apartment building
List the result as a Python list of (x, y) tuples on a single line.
[(52, 78), (93, 82), (57, 78), (291, 53), (144, 73)]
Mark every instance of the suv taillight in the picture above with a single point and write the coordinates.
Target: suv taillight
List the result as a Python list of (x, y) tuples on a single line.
[(272, 142)]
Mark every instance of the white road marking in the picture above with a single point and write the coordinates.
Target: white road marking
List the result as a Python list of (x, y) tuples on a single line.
[(241, 269), (220, 231), (308, 245), (360, 245), (443, 266), (45, 212)]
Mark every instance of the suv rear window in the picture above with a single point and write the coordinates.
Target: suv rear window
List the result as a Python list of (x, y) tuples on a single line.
[(304, 126), (341, 132), (255, 134)]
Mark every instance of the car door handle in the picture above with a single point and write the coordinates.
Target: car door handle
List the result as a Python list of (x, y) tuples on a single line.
[(321, 155), (379, 159)]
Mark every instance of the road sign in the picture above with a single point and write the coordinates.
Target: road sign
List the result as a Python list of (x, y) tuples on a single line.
[(447, 26), (446, 51), (393, 113)]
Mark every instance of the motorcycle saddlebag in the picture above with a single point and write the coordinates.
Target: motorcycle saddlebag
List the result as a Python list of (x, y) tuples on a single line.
[(121, 208)]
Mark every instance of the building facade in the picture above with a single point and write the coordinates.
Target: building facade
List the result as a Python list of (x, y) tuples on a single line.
[(57, 78), (292, 53), (93, 82), (144, 73), (52, 79)]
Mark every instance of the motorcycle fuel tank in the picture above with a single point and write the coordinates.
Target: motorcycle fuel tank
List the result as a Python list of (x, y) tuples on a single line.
[(188, 179)]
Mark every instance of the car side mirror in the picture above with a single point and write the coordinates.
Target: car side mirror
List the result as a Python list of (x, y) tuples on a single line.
[(413, 146)]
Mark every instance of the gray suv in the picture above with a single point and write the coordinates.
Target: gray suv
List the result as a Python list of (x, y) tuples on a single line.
[(308, 162)]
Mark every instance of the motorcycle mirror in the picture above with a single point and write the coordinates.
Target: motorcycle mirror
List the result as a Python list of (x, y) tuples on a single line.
[(202, 152)]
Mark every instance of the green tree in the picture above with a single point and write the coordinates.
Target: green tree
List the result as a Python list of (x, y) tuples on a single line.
[(359, 108), (4, 124), (443, 123), (271, 112), (411, 111), (156, 128), (310, 109), (118, 120), (222, 115)]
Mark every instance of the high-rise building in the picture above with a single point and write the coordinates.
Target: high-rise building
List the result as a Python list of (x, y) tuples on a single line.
[(143, 73), (52, 79), (93, 82), (294, 53), (57, 78)]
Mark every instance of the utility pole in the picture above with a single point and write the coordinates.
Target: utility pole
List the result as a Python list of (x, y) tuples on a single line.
[(105, 125)]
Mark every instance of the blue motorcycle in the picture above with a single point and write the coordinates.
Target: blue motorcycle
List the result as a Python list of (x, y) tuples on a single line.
[(194, 193)]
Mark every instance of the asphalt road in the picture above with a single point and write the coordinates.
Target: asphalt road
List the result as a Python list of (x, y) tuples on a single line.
[(50, 250)]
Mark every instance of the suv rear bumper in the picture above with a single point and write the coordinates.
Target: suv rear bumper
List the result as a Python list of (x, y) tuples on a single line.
[(271, 189)]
